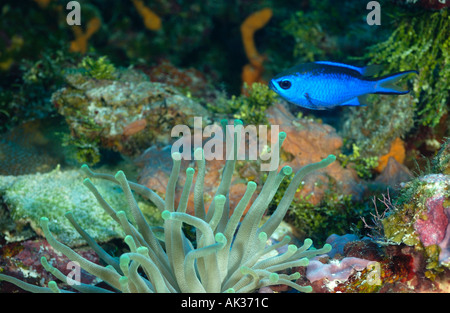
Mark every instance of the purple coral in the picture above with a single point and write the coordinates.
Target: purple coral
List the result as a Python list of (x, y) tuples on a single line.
[(335, 270)]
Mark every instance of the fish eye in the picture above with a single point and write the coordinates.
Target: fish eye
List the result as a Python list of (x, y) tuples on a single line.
[(285, 84)]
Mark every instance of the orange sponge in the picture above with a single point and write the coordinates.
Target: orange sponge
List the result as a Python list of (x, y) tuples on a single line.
[(397, 151), (81, 38), (252, 72), (151, 20), (250, 25)]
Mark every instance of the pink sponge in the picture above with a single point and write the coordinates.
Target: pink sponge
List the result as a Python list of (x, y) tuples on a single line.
[(435, 228), (432, 229)]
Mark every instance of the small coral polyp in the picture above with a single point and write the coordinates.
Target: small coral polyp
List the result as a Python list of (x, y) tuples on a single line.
[(224, 257)]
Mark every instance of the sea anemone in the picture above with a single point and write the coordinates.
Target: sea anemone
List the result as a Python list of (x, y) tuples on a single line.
[(227, 255)]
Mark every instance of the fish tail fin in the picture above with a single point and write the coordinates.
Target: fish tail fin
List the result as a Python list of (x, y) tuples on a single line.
[(386, 85)]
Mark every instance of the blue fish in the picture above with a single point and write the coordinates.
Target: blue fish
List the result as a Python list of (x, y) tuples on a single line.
[(325, 85)]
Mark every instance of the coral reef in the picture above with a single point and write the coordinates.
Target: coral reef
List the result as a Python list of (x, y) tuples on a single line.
[(421, 220), (223, 258), (108, 93), (407, 248), (362, 266), (126, 114), (425, 220), (420, 216)]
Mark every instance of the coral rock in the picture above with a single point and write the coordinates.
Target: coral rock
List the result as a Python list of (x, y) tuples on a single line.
[(394, 174), (29, 197), (128, 114), (191, 79)]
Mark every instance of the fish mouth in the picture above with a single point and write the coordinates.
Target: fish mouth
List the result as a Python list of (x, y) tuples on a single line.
[(272, 86)]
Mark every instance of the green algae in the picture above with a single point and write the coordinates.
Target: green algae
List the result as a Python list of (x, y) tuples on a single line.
[(441, 163), (320, 32), (98, 68), (363, 165), (420, 42), (250, 107)]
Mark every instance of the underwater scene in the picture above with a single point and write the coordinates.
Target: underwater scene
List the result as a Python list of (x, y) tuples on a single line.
[(239, 146)]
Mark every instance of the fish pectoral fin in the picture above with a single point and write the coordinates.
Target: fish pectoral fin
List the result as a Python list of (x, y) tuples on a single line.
[(357, 101), (363, 100), (317, 104)]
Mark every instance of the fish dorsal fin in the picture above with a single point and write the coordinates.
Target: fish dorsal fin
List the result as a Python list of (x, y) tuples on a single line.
[(369, 70), (351, 67)]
